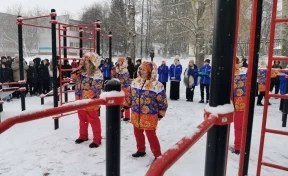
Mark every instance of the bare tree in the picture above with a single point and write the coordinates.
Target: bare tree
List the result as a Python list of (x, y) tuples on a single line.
[(9, 29), (132, 31)]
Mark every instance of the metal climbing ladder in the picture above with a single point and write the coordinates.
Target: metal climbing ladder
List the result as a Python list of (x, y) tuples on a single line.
[(271, 58)]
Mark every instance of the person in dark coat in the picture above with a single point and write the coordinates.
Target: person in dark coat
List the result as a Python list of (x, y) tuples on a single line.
[(163, 72), (138, 63), (152, 54), (204, 73), (130, 67), (175, 72), (275, 82), (244, 63), (44, 72), (32, 79), (5, 73)]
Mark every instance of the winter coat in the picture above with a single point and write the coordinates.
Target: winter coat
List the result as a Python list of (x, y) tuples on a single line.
[(239, 92), (123, 75), (204, 73), (5, 75), (175, 72), (16, 70), (261, 75), (43, 72), (74, 65), (147, 100), (163, 72), (66, 74), (88, 87), (191, 74), (106, 70), (130, 69), (32, 75), (135, 71)]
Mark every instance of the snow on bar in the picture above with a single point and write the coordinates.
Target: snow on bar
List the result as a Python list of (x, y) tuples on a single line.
[(189, 136), (105, 95), (221, 109)]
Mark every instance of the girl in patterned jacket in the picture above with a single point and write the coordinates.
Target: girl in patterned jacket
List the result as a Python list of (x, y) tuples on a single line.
[(123, 75), (148, 102), (89, 80)]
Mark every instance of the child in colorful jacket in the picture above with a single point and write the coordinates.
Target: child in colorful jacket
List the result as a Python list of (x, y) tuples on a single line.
[(148, 102), (204, 73), (123, 75), (261, 75), (89, 80)]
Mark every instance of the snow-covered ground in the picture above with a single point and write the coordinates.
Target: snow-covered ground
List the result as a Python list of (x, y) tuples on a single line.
[(34, 148)]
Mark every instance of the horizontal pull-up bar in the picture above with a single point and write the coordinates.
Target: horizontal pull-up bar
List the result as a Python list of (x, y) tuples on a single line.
[(69, 47), (83, 38), (33, 18), (38, 26)]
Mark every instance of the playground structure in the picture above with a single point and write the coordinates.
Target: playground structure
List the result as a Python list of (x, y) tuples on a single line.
[(216, 123), (59, 31)]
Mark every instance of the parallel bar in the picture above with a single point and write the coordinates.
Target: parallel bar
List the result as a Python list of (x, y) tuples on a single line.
[(77, 48), (285, 133), (39, 26), (8, 123), (83, 38), (171, 156), (268, 81), (33, 18), (275, 166), (64, 115), (278, 96), (281, 20), (275, 58)]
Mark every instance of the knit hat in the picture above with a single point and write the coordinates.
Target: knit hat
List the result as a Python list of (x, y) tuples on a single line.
[(93, 58)]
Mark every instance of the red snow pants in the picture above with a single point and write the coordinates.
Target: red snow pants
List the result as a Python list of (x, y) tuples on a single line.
[(238, 121), (126, 114), (86, 117), (152, 138)]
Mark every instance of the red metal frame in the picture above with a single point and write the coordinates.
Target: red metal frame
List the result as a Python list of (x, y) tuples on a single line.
[(26, 117), (267, 95), (248, 85), (163, 163), (33, 18)]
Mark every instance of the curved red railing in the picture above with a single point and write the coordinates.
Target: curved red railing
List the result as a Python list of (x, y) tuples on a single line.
[(30, 116), (163, 163)]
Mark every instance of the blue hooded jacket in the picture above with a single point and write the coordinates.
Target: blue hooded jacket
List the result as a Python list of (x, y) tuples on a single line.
[(106, 69), (175, 71), (193, 72), (204, 73), (163, 72)]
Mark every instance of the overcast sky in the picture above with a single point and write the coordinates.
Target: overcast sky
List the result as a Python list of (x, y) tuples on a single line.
[(73, 6)]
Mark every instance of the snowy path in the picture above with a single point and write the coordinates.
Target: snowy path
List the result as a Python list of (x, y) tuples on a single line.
[(34, 148)]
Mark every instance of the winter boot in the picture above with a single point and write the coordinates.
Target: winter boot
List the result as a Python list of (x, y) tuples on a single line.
[(201, 101), (126, 119), (237, 152), (138, 154), (93, 145), (79, 141)]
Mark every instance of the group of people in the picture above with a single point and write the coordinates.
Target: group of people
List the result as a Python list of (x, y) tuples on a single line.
[(145, 97), (192, 77)]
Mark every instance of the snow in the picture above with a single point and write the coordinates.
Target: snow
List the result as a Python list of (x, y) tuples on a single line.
[(191, 135), (34, 148), (221, 109), (111, 94)]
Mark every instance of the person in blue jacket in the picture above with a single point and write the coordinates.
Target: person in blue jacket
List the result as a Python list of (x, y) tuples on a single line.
[(190, 80), (106, 70), (175, 72), (204, 73), (163, 72)]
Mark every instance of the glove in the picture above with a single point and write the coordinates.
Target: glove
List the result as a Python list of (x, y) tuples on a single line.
[(159, 117)]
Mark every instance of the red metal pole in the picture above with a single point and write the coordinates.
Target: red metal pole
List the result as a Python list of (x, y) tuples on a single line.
[(163, 163), (265, 111), (60, 64), (30, 116), (248, 85), (83, 38)]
